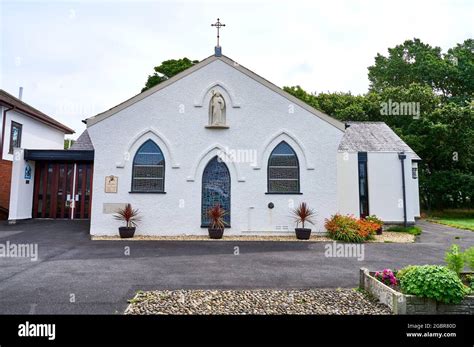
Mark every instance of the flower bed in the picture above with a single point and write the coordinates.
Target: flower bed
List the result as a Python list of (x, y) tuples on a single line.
[(348, 228), (400, 303)]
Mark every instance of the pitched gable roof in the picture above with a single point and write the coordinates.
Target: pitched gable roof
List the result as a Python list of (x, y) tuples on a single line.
[(11, 101), (101, 116), (83, 143), (372, 137)]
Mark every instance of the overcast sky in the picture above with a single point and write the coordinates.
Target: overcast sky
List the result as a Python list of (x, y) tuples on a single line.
[(78, 58)]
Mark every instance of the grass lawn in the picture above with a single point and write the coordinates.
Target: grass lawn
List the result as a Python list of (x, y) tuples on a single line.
[(462, 219), (460, 223), (413, 230)]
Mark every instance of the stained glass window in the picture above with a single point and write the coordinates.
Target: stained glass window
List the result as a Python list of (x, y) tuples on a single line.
[(148, 169), (215, 189), (283, 170)]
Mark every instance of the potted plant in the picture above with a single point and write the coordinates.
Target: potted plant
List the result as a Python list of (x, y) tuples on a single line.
[(374, 219), (130, 217), (303, 214), (217, 225)]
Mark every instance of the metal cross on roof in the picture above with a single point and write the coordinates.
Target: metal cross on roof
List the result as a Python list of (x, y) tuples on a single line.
[(218, 25)]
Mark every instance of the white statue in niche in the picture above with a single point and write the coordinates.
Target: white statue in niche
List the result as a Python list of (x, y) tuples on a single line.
[(217, 110)]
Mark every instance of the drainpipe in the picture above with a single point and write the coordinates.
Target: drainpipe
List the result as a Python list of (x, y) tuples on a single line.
[(402, 156), (4, 121)]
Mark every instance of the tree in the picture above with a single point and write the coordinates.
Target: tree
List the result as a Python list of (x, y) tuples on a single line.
[(450, 75), (342, 106), (461, 71), (166, 70)]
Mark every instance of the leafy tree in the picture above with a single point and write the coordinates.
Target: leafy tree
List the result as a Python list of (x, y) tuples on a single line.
[(342, 106), (450, 75), (166, 70), (461, 71)]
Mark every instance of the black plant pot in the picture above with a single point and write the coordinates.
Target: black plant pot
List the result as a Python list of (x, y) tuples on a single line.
[(303, 233), (126, 232), (379, 231), (216, 233)]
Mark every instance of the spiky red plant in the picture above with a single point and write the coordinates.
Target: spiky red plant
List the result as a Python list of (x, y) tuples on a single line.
[(216, 215), (303, 214), (128, 215)]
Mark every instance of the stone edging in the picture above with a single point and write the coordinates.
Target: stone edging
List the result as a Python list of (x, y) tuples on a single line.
[(400, 303)]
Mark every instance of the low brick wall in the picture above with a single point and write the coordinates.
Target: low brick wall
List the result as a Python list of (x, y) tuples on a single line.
[(409, 304)]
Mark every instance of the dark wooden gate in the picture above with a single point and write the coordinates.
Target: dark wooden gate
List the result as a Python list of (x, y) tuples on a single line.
[(62, 190)]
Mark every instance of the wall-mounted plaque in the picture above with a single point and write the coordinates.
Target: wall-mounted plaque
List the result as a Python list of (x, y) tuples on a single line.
[(111, 184)]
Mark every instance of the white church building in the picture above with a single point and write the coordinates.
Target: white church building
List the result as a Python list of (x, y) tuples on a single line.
[(220, 133)]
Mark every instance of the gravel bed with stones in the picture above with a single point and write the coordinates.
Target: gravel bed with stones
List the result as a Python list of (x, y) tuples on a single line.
[(387, 236), (314, 238), (393, 236), (259, 302)]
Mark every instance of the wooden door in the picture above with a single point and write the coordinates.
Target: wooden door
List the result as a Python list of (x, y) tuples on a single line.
[(62, 190)]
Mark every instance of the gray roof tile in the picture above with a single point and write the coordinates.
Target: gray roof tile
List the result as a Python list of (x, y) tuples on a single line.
[(372, 137), (83, 143)]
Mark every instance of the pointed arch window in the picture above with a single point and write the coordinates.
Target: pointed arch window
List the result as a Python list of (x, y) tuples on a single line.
[(148, 175), (283, 170)]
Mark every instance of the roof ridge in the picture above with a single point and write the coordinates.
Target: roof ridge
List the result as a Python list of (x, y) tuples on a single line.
[(249, 73), (32, 111), (92, 120)]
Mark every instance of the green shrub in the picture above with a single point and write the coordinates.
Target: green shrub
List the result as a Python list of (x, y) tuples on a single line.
[(400, 273), (434, 282), (413, 230), (454, 259), (469, 257), (470, 281)]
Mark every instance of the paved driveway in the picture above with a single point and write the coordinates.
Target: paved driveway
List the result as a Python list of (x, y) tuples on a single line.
[(76, 275)]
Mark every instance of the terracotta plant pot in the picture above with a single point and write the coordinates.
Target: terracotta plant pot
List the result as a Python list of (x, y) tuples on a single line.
[(126, 232), (303, 233), (216, 233)]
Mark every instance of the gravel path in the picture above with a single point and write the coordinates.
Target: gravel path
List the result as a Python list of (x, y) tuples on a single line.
[(262, 301), (387, 236)]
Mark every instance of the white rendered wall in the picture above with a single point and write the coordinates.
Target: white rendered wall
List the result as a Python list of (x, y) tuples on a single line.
[(34, 134), (258, 118), (348, 183), (21, 194), (385, 186)]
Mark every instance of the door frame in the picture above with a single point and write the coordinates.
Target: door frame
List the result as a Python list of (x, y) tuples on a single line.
[(68, 201)]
